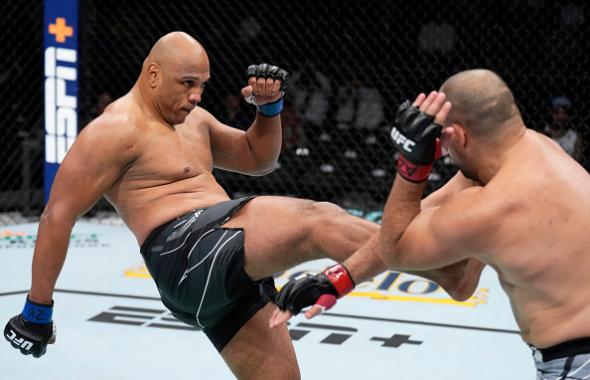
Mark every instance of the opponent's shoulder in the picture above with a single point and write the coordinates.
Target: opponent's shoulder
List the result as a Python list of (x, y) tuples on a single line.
[(473, 214), (453, 186)]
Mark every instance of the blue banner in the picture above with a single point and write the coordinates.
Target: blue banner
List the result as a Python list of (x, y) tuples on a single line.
[(61, 83)]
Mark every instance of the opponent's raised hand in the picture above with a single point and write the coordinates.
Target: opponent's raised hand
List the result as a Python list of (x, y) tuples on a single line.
[(416, 133)]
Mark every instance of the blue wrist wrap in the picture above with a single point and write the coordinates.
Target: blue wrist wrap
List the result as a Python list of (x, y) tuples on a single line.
[(271, 109), (37, 313)]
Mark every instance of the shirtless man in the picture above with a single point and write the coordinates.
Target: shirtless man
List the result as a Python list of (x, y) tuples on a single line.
[(520, 204), (151, 154)]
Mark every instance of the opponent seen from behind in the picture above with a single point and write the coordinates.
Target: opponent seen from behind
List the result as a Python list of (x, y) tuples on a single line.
[(523, 209)]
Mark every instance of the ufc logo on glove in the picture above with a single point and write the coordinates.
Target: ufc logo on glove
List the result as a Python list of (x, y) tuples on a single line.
[(402, 140), (20, 342)]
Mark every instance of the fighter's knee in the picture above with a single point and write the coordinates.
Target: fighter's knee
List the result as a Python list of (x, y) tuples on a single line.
[(321, 214), (325, 208)]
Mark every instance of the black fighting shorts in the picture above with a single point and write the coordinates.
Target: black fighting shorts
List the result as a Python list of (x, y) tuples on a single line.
[(198, 268)]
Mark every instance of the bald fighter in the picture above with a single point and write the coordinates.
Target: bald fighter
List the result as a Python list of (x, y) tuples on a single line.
[(151, 154), (522, 206)]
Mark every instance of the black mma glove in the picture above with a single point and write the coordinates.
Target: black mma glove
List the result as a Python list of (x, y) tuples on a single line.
[(321, 289), (266, 71), (31, 330), (416, 137)]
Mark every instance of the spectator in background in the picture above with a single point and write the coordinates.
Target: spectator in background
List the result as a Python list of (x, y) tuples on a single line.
[(311, 91), (234, 114), (102, 100), (292, 121), (437, 38), (359, 107), (562, 130)]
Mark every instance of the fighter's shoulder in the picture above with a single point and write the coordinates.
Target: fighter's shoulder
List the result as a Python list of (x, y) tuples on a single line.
[(491, 199), (113, 124), (473, 212), (201, 117)]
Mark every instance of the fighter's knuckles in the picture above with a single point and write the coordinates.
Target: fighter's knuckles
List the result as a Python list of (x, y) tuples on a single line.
[(276, 86), (247, 91), (267, 71)]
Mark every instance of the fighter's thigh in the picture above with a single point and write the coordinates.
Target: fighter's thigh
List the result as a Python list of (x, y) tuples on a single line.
[(259, 352), (277, 232)]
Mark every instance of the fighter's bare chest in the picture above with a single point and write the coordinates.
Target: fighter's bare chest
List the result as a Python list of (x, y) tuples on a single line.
[(173, 154)]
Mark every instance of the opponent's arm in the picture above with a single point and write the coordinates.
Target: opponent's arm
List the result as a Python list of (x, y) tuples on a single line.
[(256, 151), (415, 136), (416, 139), (444, 235), (94, 162), (367, 262), (456, 184)]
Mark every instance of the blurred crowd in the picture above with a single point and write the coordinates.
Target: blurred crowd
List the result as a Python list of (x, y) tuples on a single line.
[(337, 136)]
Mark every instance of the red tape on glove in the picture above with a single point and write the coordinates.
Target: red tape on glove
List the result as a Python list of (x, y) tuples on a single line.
[(417, 173), (413, 172), (326, 301), (340, 278)]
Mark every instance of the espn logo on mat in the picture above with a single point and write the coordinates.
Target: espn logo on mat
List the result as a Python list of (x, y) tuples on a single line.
[(61, 108)]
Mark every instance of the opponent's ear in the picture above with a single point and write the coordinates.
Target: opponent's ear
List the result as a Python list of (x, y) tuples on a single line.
[(461, 134), (153, 72)]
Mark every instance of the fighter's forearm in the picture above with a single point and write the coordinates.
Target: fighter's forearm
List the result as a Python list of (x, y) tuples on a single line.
[(50, 253), (402, 206), (264, 140), (366, 262)]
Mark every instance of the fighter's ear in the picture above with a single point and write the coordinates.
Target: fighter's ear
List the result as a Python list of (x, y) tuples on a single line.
[(153, 72), (460, 134), (457, 133)]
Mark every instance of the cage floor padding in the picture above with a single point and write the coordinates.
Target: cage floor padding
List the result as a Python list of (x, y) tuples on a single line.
[(111, 324)]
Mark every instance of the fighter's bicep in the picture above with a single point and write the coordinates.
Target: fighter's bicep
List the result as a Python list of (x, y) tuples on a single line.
[(423, 245), (225, 141), (445, 234), (229, 147), (456, 184)]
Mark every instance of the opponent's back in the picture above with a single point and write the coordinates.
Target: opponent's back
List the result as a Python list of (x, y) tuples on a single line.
[(541, 246)]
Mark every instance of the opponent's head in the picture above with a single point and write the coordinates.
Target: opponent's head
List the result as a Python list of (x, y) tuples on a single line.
[(483, 115), (176, 71)]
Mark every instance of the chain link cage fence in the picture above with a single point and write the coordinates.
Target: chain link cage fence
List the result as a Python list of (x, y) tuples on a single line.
[(351, 64), (21, 109)]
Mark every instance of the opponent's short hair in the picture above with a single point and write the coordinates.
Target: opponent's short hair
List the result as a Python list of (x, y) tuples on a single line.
[(481, 101)]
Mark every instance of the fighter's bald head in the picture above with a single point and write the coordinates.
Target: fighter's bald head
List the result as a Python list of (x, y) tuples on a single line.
[(174, 75), (482, 101), (178, 49)]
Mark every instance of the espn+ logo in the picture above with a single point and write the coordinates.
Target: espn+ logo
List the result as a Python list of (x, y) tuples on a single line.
[(61, 115)]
